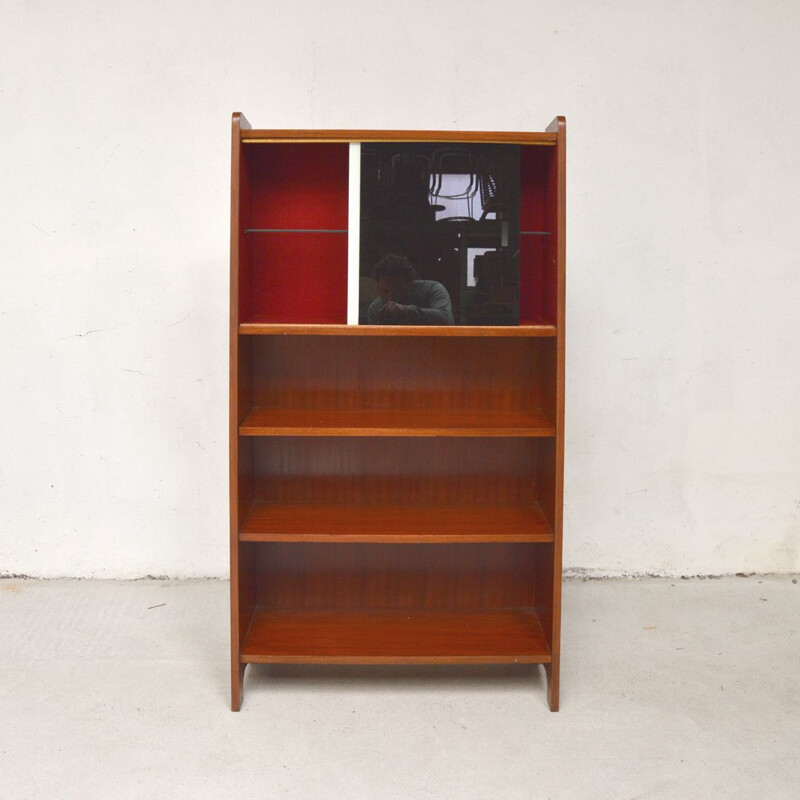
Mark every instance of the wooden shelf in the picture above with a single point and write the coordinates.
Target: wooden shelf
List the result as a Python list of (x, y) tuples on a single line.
[(394, 524), (255, 136), (394, 422), (267, 329), (411, 636)]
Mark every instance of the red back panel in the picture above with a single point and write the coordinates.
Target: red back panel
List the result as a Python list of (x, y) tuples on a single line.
[(534, 166), (298, 277)]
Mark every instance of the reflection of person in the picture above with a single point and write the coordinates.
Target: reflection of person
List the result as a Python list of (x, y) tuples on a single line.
[(403, 300)]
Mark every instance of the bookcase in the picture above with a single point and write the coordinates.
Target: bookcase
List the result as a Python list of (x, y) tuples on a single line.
[(395, 491)]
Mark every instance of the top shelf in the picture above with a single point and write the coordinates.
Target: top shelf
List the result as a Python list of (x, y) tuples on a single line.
[(269, 329), (256, 136)]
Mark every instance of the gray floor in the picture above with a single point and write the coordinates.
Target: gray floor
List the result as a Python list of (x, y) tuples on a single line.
[(670, 689)]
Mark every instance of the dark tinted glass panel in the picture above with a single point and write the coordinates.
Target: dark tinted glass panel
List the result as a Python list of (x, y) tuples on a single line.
[(452, 214)]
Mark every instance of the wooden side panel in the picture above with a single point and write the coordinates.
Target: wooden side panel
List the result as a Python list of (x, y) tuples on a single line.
[(237, 586), (247, 479), (242, 220), (556, 302), (548, 370), (544, 557), (244, 360)]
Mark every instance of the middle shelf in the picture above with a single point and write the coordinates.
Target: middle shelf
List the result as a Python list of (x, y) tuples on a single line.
[(394, 422), (395, 524)]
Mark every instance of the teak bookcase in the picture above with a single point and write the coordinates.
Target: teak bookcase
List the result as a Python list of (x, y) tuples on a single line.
[(396, 492)]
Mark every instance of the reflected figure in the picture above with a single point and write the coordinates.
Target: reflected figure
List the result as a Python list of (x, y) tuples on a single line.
[(404, 300)]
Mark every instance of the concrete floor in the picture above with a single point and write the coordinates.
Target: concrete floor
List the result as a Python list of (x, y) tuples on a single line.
[(670, 689)]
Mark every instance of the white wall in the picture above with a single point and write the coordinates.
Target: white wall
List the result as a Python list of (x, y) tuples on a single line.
[(683, 448)]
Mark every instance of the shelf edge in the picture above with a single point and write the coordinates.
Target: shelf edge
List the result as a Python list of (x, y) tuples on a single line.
[(472, 432), (300, 329), (543, 658), (262, 136), (539, 538)]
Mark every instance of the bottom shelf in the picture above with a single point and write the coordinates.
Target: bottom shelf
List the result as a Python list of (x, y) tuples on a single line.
[(409, 636)]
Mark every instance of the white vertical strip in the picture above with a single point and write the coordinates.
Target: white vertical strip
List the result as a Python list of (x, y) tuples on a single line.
[(353, 233)]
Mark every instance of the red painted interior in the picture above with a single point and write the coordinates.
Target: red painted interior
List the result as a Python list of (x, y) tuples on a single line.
[(297, 277), (302, 277), (535, 165)]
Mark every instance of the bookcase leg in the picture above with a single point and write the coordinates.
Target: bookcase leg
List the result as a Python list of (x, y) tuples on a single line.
[(552, 685), (237, 686)]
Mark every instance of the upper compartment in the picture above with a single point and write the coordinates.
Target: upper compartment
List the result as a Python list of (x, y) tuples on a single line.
[(291, 212), (293, 223)]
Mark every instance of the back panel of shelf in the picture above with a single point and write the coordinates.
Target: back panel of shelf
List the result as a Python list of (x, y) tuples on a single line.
[(367, 373), (383, 577), (294, 222)]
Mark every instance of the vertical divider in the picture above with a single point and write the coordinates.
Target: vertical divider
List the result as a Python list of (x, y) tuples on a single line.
[(353, 233)]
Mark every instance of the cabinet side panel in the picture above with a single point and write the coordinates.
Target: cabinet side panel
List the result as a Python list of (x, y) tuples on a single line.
[(236, 288), (240, 221), (247, 478), (248, 558), (544, 583), (549, 371), (552, 218), (555, 300), (244, 399)]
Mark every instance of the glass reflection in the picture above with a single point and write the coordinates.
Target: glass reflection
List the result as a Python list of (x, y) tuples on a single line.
[(439, 234)]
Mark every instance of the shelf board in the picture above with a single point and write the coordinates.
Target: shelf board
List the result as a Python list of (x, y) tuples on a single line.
[(270, 329), (408, 636), (394, 422), (395, 524), (260, 136)]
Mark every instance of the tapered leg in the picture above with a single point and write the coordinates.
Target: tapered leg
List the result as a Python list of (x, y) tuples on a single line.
[(237, 686), (552, 685)]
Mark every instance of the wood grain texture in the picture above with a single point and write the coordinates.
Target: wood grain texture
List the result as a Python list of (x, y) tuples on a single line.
[(398, 471), (394, 422), (395, 524), (256, 136), (238, 123), (267, 329), (464, 577), (558, 204), (455, 375), (385, 637)]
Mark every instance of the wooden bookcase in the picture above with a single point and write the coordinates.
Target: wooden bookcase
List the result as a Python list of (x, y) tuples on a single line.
[(396, 492)]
